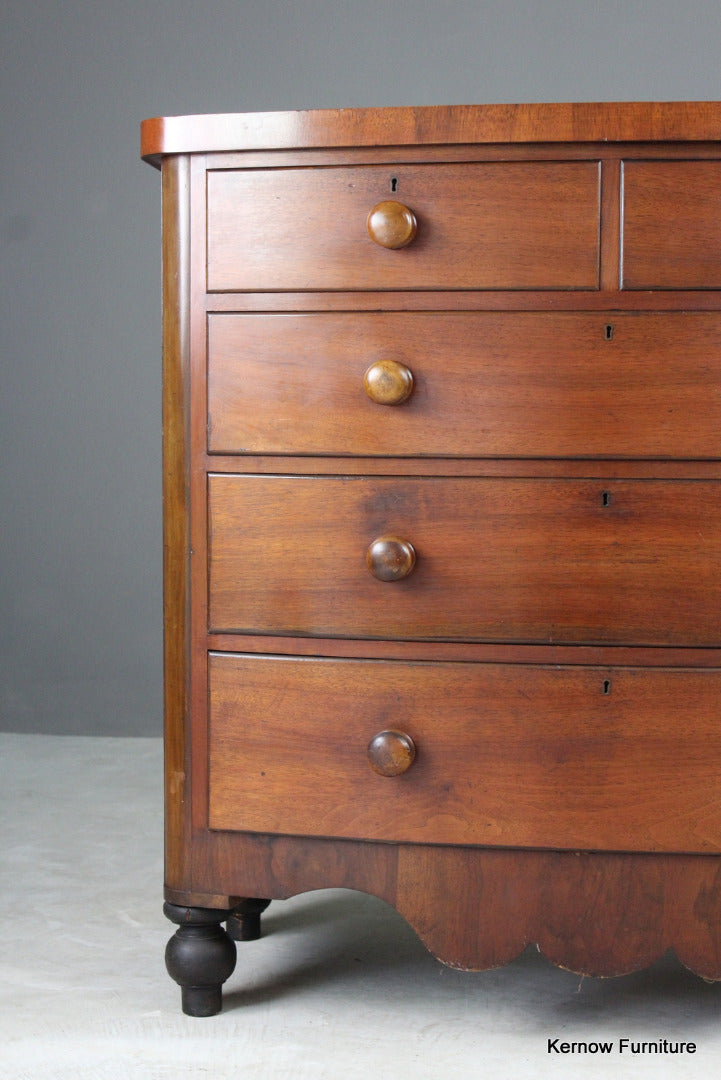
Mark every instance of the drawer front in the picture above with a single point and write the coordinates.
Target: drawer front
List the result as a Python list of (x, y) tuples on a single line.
[(505, 755), (496, 225), (672, 225), (482, 384), (617, 562)]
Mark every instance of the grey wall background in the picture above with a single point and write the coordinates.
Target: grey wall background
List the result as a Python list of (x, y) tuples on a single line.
[(80, 491)]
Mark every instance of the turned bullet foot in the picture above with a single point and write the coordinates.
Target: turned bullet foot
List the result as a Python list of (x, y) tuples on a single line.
[(199, 957), (244, 921)]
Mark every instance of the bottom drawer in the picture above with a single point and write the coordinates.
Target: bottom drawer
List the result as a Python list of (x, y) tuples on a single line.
[(625, 759)]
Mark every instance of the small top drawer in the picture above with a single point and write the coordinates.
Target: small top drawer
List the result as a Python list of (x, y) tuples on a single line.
[(488, 225), (672, 225)]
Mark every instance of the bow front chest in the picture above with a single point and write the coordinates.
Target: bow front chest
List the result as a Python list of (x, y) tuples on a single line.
[(442, 465)]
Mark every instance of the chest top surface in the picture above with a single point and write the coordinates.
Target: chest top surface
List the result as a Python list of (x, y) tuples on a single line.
[(453, 124)]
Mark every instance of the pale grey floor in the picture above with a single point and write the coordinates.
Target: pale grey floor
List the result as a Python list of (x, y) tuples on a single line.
[(340, 988)]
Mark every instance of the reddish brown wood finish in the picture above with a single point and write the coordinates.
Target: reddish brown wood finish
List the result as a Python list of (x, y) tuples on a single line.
[(391, 752), (606, 301), (388, 382), (390, 558), (391, 224), (497, 225), (469, 651), (603, 469), (638, 121), (507, 755), (538, 228), (498, 560), (176, 589), (591, 912), (671, 225), (484, 384)]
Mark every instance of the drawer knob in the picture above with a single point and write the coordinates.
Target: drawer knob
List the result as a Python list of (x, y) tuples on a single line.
[(388, 383), (392, 225), (390, 753), (390, 559)]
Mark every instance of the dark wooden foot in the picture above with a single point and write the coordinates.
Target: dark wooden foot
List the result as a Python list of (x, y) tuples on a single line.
[(244, 921), (200, 957)]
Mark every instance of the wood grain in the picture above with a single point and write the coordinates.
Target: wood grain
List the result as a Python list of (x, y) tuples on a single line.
[(553, 658), (671, 225), (596, 913), (465, 651), (644, 121), (606, 300), (511, 756), (549, 561), (176, 592), (496, 225), (484, 384)]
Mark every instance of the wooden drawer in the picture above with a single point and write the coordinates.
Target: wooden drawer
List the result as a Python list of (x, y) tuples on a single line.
[(509, 755), (493, 225), (498, 559), (483, 384), (672, 225)]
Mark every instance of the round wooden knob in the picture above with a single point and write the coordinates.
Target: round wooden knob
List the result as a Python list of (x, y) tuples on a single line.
[(390, 753), (388, 383), (391, 224), (390, 559)]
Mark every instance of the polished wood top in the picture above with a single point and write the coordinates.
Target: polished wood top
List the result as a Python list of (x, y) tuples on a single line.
[(638, 121)]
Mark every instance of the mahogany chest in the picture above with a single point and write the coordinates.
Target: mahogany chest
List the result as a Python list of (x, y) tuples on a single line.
[(442, 467)]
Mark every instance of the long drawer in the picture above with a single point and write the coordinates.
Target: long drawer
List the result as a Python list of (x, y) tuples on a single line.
[(491, 225), (508, 755), (466, 384), (617, 562)]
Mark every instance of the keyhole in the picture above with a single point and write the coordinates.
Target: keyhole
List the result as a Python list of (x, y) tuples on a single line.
[(606, 686), (608, 331), (605, 498), (394, 184)]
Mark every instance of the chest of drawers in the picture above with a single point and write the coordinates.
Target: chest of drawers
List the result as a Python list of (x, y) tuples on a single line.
[(442, 403)]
